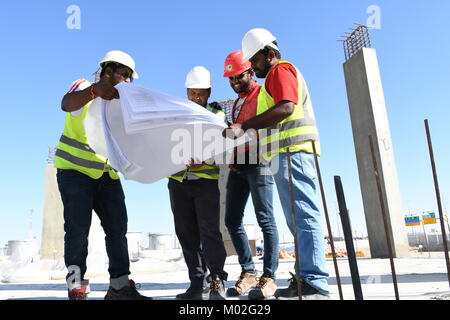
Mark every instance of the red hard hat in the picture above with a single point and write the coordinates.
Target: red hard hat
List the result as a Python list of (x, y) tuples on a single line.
[(234, 64)]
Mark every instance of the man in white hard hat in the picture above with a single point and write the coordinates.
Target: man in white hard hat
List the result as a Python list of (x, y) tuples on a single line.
[(285, 113), (87, 182), (195, 202)]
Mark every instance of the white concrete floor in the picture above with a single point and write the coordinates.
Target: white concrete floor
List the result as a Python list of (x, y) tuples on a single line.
[(419, 278)]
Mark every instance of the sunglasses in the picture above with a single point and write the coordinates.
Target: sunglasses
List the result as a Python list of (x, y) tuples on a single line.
[(126, 75), (239, 76)]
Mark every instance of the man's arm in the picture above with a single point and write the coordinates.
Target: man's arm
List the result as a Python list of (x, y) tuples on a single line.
[(271, 117), (76, 100), (282, 85)]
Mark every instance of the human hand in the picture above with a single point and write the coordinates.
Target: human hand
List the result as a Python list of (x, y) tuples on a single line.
[(193, 165), (235, 131), (233, 168), (105, 91)]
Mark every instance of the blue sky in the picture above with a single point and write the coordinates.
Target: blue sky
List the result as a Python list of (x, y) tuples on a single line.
[(41, 57)]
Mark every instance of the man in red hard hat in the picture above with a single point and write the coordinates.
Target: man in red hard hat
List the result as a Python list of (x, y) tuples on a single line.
[(249, 176)]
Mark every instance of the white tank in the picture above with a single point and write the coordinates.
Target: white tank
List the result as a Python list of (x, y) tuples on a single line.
[(160, 241), (134, 240), (22, 250)]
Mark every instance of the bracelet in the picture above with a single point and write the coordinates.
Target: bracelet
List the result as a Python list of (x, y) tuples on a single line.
[(92, 93)]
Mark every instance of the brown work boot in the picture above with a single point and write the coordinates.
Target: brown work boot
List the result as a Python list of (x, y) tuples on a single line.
[(265, 289), (217, 289), (246, 281)]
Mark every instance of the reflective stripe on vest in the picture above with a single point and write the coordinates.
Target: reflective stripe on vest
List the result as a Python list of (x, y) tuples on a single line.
[(295, 132), (80, 161), (74, 152), (74, 143), (205, 172)]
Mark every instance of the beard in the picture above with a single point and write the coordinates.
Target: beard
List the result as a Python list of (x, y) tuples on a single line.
[(241, 88), (262, 73)]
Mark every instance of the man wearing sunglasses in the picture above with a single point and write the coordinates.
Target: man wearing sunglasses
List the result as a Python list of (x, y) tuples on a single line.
[(87, 182), (248, 176)]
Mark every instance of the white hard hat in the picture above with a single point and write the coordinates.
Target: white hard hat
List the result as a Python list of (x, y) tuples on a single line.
[(198, 78), (122, 58), (255, 40)]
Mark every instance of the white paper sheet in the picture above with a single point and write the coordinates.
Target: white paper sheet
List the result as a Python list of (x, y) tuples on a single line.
[(154, 146)]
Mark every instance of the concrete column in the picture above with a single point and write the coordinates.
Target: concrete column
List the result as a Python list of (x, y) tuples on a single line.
[(369, 117), (52, 245)]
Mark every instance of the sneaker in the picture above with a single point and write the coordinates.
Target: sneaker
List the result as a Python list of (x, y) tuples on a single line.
[(125, 293), (291, 292), (193, 293), (246, 281), (265, 289), (217, 289), (78, 294)]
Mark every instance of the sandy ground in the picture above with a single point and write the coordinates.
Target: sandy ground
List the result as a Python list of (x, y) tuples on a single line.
[(162, 276)]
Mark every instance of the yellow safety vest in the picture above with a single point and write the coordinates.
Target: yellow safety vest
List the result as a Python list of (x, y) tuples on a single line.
[(206, 171), (296, 131), (74, 152)]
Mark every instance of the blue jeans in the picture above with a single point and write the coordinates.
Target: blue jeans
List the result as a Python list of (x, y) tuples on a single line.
[(80, 195), (252, 180), (310, 235)]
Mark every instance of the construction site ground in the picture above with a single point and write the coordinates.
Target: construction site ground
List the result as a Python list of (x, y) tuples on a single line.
[(162, 276)]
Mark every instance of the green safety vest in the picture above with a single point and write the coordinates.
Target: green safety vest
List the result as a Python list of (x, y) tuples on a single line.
[(74, 152), (293, 133), (206, 171)]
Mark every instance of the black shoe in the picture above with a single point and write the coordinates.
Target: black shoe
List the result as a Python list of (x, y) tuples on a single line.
[(291, 292), (125, 293), (217, 289), (193, 293)]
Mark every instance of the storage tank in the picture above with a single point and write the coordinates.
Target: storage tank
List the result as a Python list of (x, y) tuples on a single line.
[(134, 240), (22, 250), (159, 241)]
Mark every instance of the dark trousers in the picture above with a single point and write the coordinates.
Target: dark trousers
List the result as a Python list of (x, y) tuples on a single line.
[(80, 195), (196, 210), (254, 180)]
